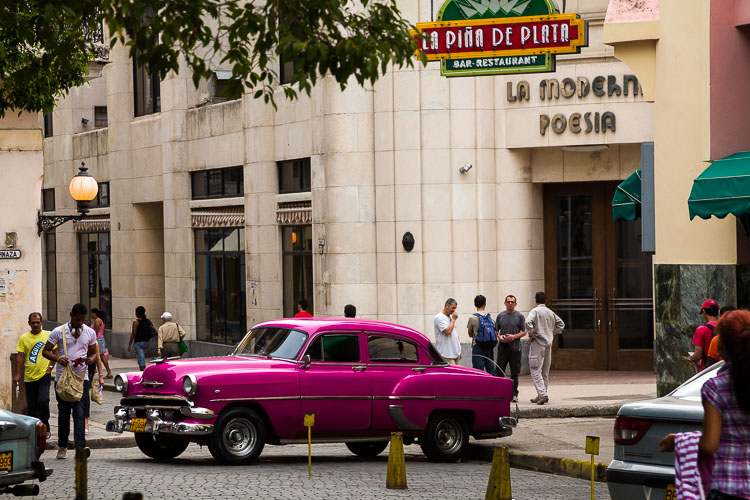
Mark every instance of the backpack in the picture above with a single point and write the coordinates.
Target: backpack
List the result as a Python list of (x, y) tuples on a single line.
[(485, 335)]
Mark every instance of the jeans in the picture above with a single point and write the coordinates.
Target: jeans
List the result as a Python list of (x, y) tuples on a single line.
[(507, 356), (37, 398), (481, 359), (79, 423), (140, 352)]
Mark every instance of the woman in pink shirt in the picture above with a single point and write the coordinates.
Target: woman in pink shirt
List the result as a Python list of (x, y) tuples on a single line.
[(98, 327)]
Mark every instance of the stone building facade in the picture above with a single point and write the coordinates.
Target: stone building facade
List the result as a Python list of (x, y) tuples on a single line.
[(225, 213)]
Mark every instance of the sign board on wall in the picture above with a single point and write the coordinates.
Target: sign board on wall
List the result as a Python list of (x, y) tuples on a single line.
[(498, 37)]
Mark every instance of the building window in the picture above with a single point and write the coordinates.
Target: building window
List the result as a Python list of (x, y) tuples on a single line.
[(102, 196), (286, 70), (217, 183), (95, 273), (146, 90), (294, 175), (296, 244), (220, 284), (50, 275), (222, 80), (48, 124), (48, 200), (100, 116)]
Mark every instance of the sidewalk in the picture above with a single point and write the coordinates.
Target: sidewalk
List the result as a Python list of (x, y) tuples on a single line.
[(548, 438)]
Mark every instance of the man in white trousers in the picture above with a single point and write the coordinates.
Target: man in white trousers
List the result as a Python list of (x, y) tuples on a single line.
[(541, 325)]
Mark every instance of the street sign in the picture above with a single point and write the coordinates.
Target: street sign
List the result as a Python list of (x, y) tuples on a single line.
[(496, 37), (592, 445), (10, 254)]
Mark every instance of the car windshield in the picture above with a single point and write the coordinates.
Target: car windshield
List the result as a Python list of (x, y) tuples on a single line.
[(691, 390), (272, 342)]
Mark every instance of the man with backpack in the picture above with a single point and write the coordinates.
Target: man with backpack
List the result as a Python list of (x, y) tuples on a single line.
[(483, 337), (704, 333), (511, 326)]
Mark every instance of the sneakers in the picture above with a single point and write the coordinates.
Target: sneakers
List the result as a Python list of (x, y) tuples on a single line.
[(542, 400), (535, 400), (62, 453)]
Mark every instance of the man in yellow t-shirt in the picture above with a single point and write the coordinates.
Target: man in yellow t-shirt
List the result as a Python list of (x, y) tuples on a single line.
[(36, 369)]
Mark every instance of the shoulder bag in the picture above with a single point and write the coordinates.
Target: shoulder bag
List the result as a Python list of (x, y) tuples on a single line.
[(181, 344), (69, 386)]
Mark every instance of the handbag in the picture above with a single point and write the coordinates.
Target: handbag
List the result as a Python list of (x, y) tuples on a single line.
[(69, 385), (181, 344), (96, 395)]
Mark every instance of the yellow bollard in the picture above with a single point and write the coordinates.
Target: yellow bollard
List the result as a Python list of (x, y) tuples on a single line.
[(592, 448), (309, 423), (498, 487), (82, 488), (396, 476)]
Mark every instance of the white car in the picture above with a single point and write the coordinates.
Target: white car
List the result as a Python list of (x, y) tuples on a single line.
[(22, 442)]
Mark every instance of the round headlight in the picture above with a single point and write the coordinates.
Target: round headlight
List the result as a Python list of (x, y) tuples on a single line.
[(189, 385), (121, 383)]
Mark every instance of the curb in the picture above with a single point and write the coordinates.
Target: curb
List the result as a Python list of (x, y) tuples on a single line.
[(100, 443), (579, 469), (570, 411)]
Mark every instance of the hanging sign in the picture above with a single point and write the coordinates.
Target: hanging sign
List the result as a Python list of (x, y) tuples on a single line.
[(497, 37)]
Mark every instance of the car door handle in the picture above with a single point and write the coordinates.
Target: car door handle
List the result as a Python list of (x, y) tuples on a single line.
[(359, 368), (6, 426), (419, 369)]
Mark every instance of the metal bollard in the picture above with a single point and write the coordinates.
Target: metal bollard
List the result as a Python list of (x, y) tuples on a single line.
[(396, 475), (82, 483), (498, 486)]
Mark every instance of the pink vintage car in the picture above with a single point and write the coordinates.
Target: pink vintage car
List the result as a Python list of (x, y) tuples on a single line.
[(362, 380)]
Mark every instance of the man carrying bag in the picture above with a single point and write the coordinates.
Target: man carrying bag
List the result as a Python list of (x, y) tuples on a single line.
[(76, 351)]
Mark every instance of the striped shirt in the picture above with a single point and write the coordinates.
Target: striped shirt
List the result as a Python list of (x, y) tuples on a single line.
[(731, 472)]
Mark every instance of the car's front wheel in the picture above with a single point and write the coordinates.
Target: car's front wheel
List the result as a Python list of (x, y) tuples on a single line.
[(160, 447), (238, 437), (446, 437), (367, 449)]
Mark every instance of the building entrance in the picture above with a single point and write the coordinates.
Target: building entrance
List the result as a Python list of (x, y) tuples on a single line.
[(597, 280)]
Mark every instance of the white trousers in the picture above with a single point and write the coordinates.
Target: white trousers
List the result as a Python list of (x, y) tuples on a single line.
[(540, 358)]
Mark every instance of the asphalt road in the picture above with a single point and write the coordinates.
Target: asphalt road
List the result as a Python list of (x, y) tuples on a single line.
[(282, 474)]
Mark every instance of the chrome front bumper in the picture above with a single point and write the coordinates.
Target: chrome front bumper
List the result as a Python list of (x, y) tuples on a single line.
[(155, 424)]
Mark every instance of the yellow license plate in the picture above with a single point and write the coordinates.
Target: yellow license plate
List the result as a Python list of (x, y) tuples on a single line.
[(671, 493), (6, 460), (138, 425)]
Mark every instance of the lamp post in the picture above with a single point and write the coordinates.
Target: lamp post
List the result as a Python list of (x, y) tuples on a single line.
[(83, 188)]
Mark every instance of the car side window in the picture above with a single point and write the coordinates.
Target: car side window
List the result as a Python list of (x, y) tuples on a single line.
[(335, 349), (391, 350)]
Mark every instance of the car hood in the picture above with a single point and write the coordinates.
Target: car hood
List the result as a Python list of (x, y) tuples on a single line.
[(665, 408), (166, 377)]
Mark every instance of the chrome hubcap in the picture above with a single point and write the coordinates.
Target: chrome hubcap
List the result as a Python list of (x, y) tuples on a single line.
[(239, 437), (448, 436)]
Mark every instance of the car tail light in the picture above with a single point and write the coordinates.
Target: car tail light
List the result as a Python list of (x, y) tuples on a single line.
[(630, 430), (41, 439)]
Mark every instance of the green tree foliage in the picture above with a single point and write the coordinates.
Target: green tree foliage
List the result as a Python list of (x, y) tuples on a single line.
[(44, 49)]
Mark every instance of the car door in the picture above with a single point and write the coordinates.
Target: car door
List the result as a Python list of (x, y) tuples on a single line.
[(336, 386), (391, 360)]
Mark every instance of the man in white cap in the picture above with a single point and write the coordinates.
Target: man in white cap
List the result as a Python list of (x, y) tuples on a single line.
[(170, 335)]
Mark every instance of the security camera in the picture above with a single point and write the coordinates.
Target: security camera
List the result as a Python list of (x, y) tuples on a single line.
[(85, 121), (465, 168)]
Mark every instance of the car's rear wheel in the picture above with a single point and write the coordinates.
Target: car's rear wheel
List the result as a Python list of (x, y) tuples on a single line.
[(367, 449), (238, 437), (445, 438), (160, 447)]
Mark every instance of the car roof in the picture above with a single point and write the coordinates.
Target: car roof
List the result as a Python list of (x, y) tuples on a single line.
[(315, 324)]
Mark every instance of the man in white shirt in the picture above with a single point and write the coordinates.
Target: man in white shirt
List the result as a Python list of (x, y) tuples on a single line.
[(80, 341), (541, 325), (446, 333)]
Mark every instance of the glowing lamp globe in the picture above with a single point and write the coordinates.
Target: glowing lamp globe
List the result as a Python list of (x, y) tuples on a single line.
[(83, 187)]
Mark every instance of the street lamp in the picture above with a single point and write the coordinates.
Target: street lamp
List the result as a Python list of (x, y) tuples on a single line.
[(83, 188)]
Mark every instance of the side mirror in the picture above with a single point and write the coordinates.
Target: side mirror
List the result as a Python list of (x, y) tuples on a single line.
[(306, 362)]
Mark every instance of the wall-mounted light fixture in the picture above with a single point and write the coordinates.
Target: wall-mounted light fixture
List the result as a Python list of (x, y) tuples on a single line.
[(408, 241), (321, 244), (465, 168), (83, 188)]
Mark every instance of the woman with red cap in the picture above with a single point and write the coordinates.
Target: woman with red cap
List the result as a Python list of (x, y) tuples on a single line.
[(704, 333)]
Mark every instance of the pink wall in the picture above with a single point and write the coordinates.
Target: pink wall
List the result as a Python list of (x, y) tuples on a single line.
[(730, 77), (628, 11)]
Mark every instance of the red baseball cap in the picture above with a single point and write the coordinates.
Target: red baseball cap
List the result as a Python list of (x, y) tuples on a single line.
[(709, 303)]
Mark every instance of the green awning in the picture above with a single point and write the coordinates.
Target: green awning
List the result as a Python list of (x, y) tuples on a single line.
[(626, 203), (723, 188)]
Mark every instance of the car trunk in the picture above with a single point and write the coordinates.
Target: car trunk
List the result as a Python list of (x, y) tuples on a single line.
[(14, 438)]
